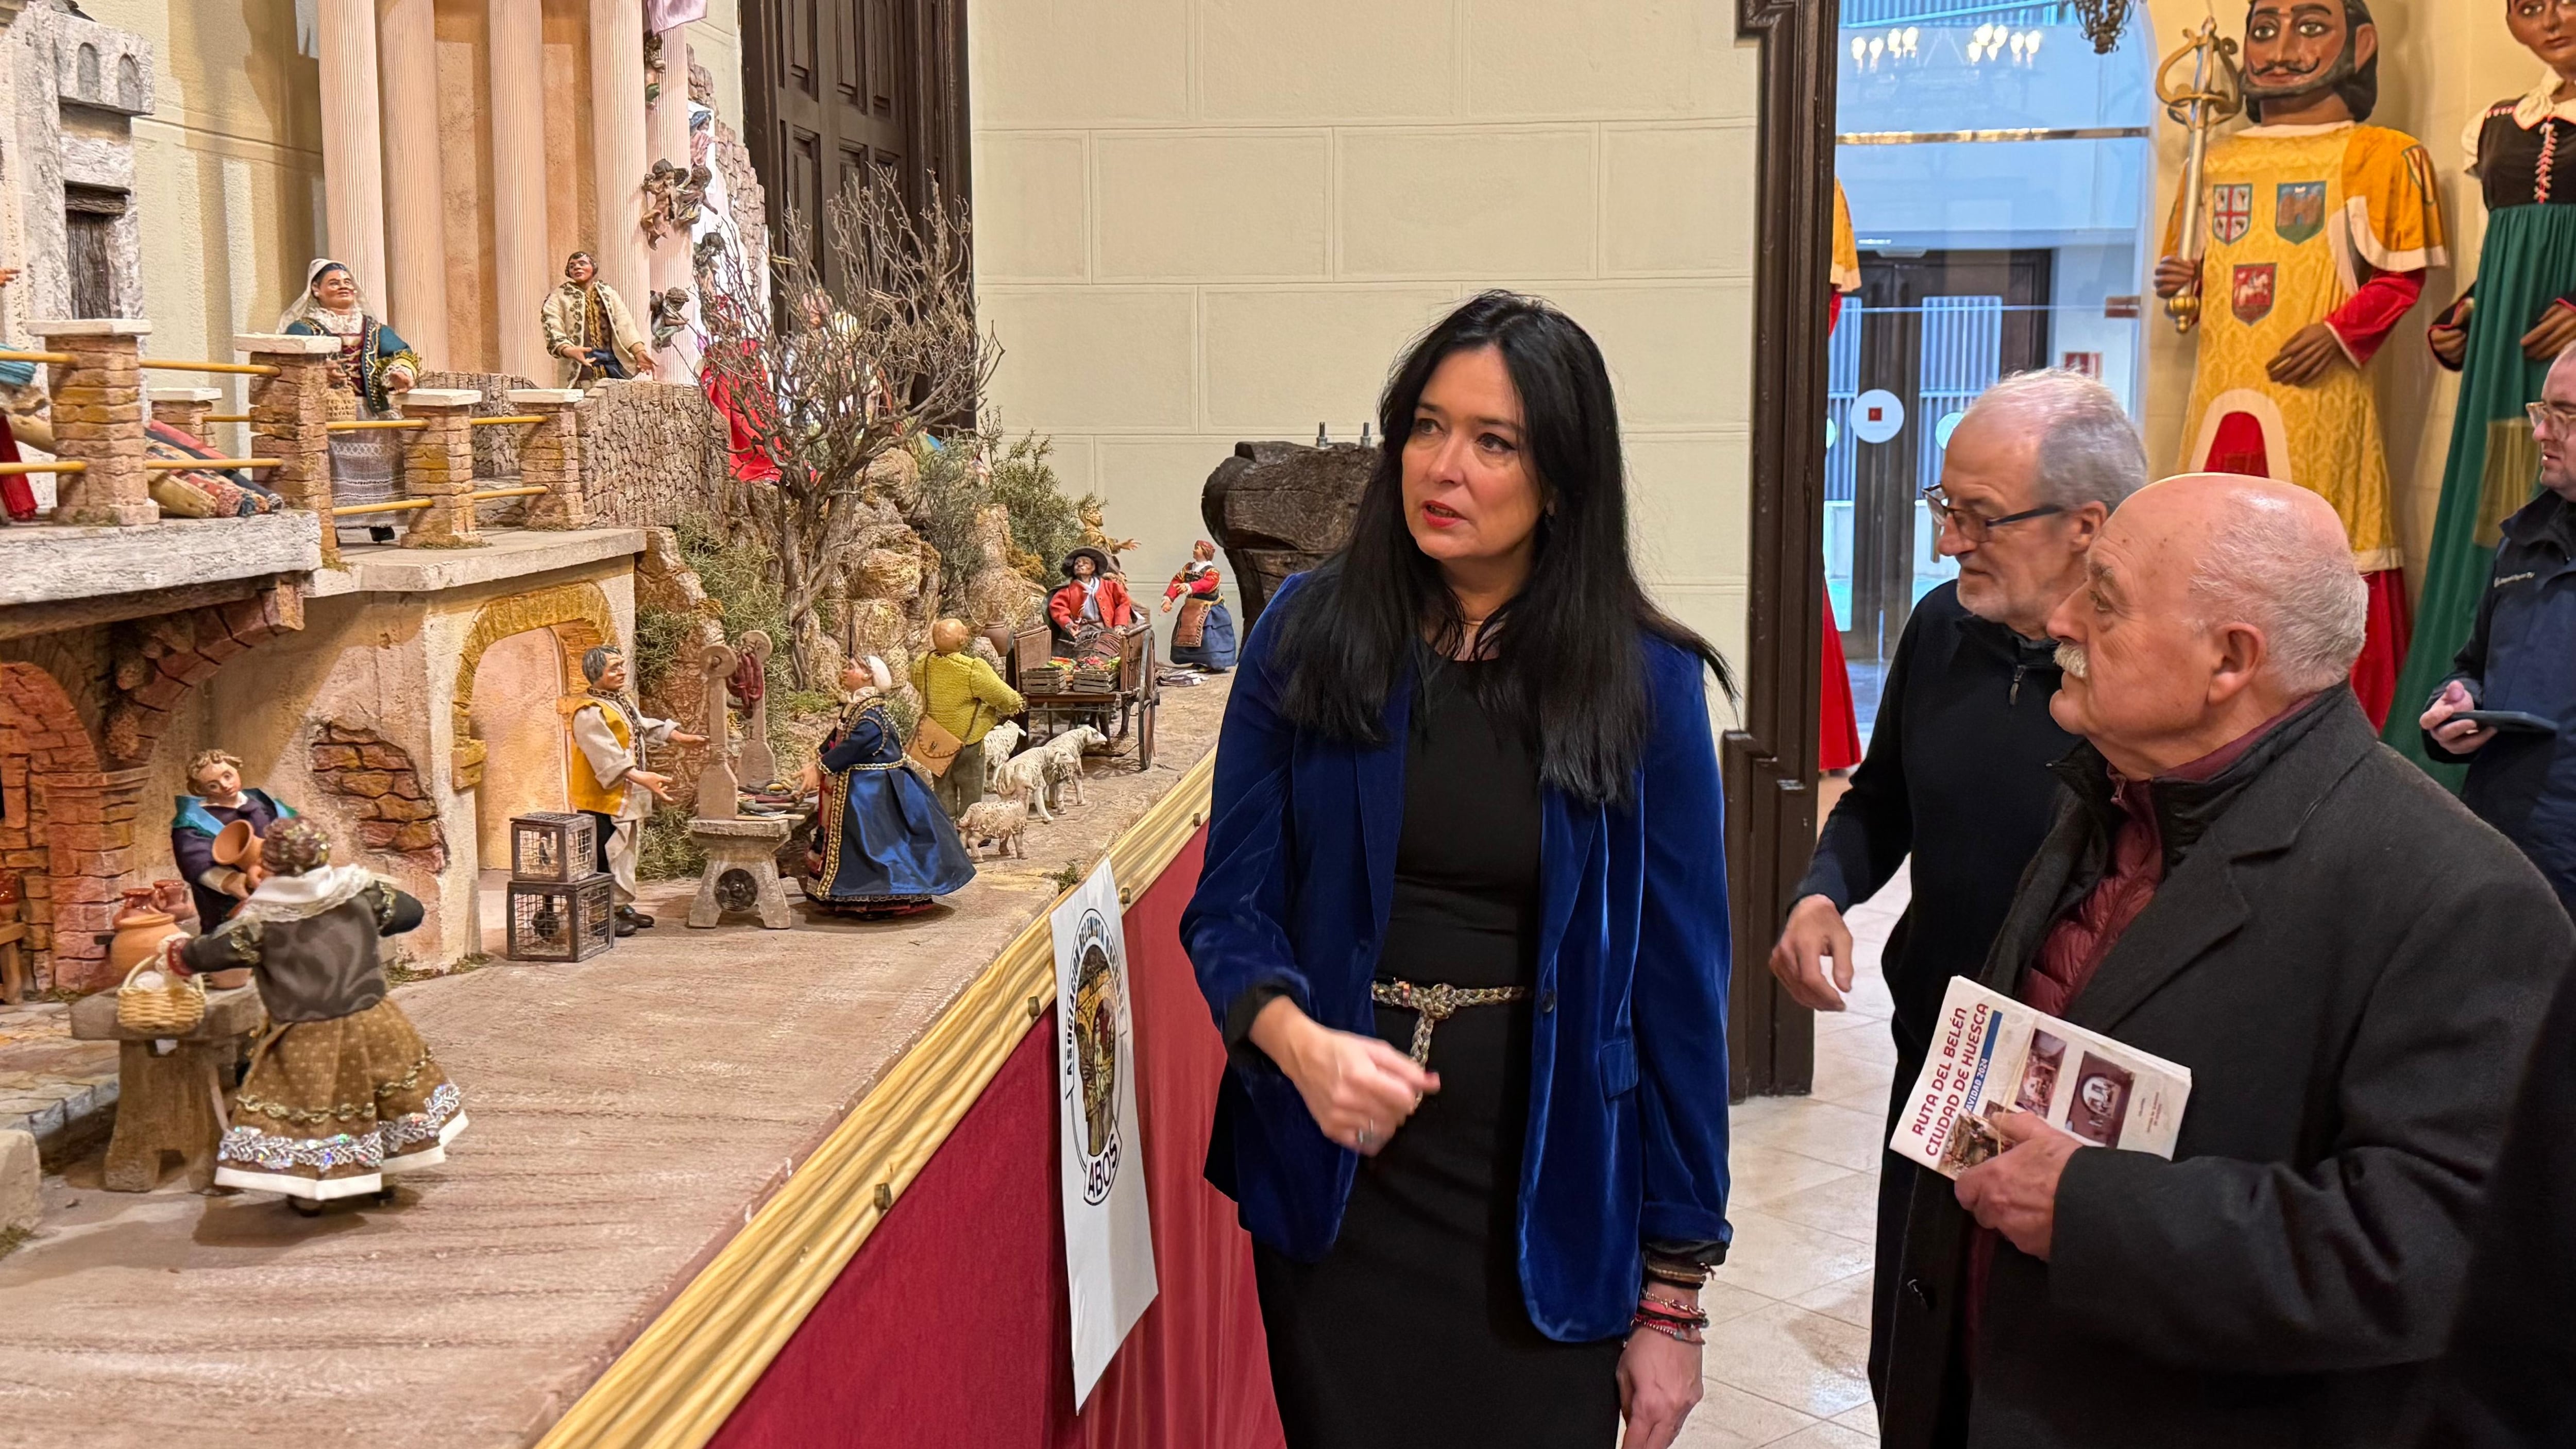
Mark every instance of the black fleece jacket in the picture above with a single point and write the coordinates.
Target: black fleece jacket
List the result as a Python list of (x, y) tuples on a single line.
[(1958, 776)]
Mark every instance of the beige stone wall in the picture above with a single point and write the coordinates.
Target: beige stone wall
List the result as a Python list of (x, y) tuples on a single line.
[(2441, 61), (1200, 221)]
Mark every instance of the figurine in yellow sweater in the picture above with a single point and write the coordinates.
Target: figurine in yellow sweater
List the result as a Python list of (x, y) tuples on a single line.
[(962, 695)]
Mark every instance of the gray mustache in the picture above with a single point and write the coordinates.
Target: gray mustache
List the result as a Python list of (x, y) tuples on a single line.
[(2071, 658)]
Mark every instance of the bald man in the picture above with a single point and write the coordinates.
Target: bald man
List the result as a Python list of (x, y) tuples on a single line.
[(2245, 881)]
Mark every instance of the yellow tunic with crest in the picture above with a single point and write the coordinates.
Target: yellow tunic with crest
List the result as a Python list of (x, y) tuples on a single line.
[(2295, 214)]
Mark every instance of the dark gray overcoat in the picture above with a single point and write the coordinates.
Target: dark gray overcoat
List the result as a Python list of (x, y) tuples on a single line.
[(2353, 967)]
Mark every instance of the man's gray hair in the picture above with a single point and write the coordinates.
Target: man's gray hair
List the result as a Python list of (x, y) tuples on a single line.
[(2286, 576), (2089, 451), (594, 660)]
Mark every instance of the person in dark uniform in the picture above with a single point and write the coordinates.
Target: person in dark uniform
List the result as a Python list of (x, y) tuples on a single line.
[(2520, 663), (1463, 921)]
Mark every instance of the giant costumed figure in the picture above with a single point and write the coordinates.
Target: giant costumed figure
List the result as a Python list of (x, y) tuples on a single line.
[(2315, 233), (2500, 336)]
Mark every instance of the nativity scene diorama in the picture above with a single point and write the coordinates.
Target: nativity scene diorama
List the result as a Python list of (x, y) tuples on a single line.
[(496, 667)]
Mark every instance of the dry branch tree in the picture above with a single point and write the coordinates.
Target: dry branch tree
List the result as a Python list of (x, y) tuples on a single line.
[(827, 384)]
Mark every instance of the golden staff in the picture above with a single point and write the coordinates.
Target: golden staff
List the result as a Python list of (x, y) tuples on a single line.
[(2216, 94)]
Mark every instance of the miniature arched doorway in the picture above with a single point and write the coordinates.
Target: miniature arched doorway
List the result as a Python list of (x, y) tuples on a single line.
[(48, 768), (521, 655)]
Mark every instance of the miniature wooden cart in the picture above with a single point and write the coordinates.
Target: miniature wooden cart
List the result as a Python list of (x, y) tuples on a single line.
[(1119, 705)]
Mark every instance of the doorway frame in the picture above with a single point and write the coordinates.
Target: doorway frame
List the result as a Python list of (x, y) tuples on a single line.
[(1769, 761)]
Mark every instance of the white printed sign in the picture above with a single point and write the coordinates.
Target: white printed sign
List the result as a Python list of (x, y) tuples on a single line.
[(1108, 1236)]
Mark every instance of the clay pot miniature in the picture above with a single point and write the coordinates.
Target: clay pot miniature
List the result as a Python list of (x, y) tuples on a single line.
[(238, 846), (174, 898), (141, 928)]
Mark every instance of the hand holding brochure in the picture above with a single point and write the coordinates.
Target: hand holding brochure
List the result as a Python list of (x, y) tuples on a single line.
[(1993, 1054)]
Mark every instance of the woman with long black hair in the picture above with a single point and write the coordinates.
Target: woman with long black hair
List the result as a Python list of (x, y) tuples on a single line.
[(1463, 921)]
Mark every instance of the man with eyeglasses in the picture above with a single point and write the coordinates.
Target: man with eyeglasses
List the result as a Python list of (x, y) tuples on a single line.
[(1957, 773), (2516, 677)]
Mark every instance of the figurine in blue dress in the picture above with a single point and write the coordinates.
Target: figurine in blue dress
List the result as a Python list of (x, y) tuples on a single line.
[(882, 845)]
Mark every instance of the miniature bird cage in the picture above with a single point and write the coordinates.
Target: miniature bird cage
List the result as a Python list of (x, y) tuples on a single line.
[(561, 920), (555, 845)]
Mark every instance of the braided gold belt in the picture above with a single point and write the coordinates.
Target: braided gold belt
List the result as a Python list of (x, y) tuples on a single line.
[(1436, 1003)]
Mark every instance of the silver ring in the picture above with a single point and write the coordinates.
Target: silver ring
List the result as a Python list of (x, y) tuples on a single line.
[(1363, 1138)]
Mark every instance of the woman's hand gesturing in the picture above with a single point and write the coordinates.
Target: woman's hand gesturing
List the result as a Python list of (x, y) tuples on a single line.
[(1358, 1088), (1659, 1384)]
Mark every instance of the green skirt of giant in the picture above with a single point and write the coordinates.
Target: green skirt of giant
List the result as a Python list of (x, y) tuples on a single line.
[(2529, 261)]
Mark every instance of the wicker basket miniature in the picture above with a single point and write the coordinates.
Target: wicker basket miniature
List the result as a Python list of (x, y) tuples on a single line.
[(159, 1002)]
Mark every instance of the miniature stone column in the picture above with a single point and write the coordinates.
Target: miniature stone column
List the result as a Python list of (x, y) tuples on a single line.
[(522, 271), (288, 410), (438, 464), (617, 146), (742, 850), (759, 764), (719, 793), (98, 420), (353, 158), (415, 197), (550, 457), (184, 408)]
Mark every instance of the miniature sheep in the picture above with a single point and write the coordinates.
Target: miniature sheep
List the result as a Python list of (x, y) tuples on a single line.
[(1066, 749), (1024, 778), (1000, 743), (1003, 823)]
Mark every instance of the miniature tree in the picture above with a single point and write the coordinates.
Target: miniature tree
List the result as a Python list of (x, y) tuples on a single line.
[(836, 377)]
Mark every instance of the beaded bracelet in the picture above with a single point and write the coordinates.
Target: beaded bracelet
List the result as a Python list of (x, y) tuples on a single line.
[(1678, 1332), (1656, 1307), (1679, 1321)]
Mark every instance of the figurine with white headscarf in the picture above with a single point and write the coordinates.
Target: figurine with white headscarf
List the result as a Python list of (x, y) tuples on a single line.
[(374, 360)]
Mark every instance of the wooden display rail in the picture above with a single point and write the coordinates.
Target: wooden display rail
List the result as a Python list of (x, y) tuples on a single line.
[(157, 364), (676, 1385), (405, 505)]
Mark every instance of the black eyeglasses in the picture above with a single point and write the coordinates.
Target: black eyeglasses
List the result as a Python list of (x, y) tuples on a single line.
[(1974, 527)]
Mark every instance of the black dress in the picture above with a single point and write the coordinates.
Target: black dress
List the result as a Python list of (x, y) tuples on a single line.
[(1412, 1332)]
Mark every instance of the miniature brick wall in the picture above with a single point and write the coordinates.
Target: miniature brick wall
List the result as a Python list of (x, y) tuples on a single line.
[(68, 831), (496, 450), (159, 659), (386, 796)]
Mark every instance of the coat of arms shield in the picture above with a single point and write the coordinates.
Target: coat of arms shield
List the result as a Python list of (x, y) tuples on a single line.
[(2231, 210), (2298, 210), (2250, 294)]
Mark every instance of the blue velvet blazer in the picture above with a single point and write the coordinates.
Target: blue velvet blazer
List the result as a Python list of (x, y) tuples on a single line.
[(1628, 1081)]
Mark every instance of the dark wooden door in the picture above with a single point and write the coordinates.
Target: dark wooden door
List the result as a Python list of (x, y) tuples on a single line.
[(835, 87)]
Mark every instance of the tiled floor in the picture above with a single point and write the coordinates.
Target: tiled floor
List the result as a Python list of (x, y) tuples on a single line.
[(1788, 1331)]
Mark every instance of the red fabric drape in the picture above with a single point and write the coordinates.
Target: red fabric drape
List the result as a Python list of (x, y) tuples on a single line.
[(17, 495), (1837, 725), (950, 1326), (2383, 644)]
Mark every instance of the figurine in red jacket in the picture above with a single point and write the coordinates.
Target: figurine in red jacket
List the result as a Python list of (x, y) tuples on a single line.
[(1092, 597)]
